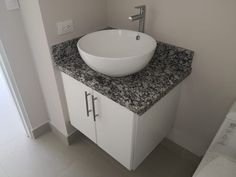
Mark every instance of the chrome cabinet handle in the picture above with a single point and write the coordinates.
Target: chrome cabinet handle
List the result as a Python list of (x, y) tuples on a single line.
[(86, 100), (94, 111)]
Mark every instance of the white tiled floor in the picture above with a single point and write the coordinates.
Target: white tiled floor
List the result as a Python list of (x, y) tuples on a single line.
[(48, 157)]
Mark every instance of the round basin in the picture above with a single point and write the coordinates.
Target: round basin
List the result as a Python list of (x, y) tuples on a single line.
[(117, 53)]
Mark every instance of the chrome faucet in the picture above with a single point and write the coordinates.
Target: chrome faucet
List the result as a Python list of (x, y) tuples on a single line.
[(140, 17)]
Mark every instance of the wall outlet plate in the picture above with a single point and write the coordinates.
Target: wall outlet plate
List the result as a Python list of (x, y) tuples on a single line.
[(65, 27), (12, 4)]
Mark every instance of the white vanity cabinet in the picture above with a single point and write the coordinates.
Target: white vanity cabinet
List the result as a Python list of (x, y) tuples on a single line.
[(124, 135), (102, 120)]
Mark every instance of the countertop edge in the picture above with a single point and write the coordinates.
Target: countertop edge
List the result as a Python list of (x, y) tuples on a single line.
[(142, 111)]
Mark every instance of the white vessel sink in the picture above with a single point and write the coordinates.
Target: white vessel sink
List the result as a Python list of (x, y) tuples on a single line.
[(117, 52)]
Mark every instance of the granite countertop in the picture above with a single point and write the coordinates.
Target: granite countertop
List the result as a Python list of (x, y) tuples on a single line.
[(138, 92)]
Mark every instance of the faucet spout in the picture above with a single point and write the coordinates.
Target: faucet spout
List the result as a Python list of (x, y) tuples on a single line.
[(140, 17), (135, 17)]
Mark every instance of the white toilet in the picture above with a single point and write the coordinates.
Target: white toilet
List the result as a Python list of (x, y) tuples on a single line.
[(220, 158)]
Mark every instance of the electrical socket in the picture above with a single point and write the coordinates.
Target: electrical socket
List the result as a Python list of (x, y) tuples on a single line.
[(65, 27), (12, 4)]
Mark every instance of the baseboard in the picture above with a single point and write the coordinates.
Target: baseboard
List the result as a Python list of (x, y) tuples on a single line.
[(46, 127), (37, 132), (67, 140), (184, 153), (73, 137)]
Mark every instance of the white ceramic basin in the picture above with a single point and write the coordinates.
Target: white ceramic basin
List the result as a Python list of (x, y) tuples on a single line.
[(116, 52)]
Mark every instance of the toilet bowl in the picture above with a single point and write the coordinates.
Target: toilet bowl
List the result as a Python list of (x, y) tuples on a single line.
[(220, 158), (219, 167)]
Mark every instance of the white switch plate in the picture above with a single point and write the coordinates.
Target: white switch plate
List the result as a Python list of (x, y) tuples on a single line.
[(12, 4), (65, 27)]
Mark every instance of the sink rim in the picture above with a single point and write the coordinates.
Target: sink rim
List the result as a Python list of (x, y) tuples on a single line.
[(117, 53), (122, 57)]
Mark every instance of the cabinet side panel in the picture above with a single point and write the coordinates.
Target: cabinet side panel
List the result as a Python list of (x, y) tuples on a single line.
[(154, 125), (115, 130)]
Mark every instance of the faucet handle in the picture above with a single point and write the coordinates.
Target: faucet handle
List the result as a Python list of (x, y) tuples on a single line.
[(141, 7)]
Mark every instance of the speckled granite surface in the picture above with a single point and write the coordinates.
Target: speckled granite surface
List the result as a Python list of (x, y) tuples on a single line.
[(138, 92)]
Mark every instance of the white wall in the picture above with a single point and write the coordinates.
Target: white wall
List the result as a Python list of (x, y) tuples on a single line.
[(17, 48), (87, 15), (209, 28), (40, 18), (32, 18)]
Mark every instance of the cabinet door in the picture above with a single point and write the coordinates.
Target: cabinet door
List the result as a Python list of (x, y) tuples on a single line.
[(79, 106), (114, 125)]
